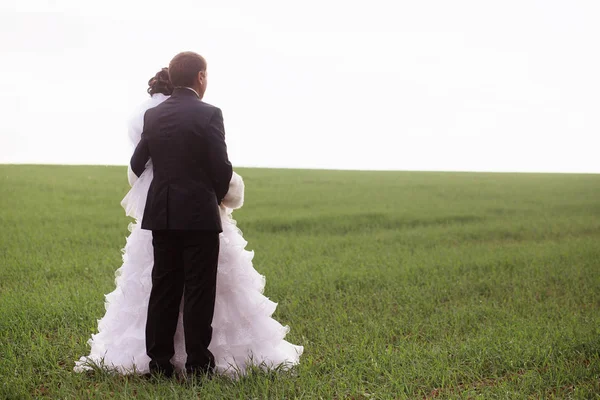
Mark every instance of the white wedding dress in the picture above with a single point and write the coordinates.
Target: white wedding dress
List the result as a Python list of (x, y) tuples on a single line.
[(244, 333)]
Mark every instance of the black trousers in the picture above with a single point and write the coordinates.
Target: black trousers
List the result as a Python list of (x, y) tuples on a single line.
[(185, 262)]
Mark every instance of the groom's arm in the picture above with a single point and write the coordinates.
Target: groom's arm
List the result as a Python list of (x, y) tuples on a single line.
[(140, 157), (219, 164), (131, 177)]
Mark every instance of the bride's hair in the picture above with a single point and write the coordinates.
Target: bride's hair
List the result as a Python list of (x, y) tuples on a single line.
[(160, 83)]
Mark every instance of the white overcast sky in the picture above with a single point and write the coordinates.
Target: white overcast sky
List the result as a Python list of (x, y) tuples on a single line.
[(480, 85)]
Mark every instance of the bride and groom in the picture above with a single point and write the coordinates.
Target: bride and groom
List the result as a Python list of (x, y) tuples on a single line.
[(187, 296)]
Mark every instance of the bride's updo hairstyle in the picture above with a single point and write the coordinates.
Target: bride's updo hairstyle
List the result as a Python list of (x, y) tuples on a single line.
[(184, 68), (160, 83)]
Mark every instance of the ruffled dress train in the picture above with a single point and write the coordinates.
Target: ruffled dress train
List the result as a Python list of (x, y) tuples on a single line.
[(244, 333)]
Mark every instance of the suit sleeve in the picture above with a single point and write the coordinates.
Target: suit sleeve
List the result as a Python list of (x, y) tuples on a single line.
[(140, 157), (219, 165), (131, 177), (141, 154)]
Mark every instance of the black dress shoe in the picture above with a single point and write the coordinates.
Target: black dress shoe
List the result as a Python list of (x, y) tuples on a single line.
[(158, 372), (199, 372)]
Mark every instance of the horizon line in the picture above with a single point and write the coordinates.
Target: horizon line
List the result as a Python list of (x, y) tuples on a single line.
[(333, 169)]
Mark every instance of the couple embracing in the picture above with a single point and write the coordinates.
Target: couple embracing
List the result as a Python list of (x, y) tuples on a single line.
[(187, 296)]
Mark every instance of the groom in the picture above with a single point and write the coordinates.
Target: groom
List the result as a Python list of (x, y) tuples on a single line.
[(185, 139)]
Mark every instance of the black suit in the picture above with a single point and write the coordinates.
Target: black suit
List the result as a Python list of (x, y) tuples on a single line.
[(185, 139)]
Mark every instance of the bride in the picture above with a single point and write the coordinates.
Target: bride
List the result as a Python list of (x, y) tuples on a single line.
[(244, 334)]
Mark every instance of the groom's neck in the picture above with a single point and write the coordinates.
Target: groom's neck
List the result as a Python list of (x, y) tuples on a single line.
[(191, 89)]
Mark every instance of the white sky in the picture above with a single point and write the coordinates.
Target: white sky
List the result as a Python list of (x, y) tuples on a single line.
[(482, 85)]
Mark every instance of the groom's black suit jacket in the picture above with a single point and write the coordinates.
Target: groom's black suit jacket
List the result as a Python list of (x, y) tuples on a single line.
[(185, 139)]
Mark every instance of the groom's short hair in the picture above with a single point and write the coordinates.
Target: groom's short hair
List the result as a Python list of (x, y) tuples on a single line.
[(184, 68)]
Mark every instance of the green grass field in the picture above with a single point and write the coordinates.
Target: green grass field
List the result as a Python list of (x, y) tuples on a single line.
[(400, 285)]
